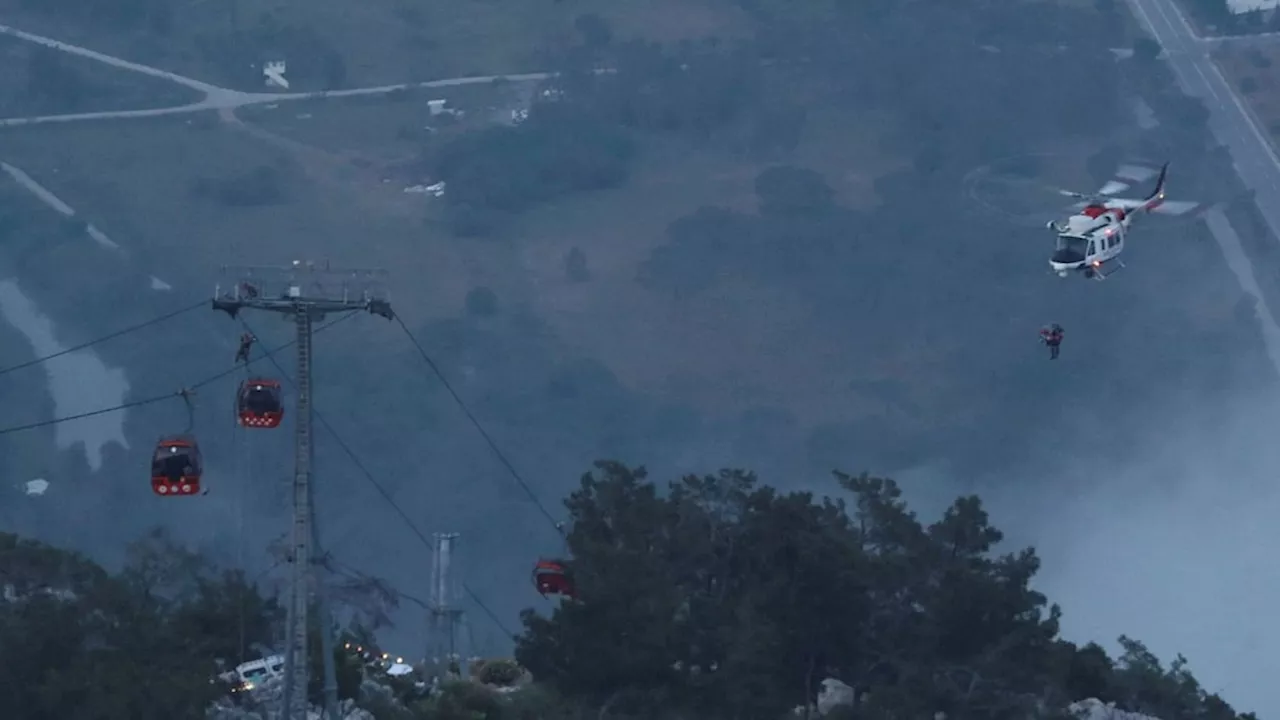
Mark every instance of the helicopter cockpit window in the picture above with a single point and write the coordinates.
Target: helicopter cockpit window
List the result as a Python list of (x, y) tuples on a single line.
[(1070, 249), (1069, 242)]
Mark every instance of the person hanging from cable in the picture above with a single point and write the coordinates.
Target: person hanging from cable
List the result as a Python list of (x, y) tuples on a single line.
[(246, 342), (1052, 336)]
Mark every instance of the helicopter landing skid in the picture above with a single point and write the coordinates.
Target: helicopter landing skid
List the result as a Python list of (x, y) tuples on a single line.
[(1100, 276)]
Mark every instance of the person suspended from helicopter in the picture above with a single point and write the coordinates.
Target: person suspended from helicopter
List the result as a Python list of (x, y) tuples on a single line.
[(242, 353), (1052, 336)]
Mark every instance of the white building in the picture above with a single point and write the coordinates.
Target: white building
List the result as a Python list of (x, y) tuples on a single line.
[(273, 73)]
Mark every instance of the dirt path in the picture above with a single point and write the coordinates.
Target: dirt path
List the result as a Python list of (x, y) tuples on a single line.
[(354, 176)]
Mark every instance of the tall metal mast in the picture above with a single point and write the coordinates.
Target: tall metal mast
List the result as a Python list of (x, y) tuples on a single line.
[(444, 618), (305, 293)]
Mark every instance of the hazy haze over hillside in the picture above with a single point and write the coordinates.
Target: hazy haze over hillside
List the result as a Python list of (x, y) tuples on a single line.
[(783, 262)]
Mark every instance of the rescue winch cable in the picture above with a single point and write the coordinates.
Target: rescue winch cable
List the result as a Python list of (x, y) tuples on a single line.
[(104, 338)]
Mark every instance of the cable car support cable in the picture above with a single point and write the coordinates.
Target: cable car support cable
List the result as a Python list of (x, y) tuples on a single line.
[(186, 394), (368, 476), (182, 393), (475, 422), (352, 572), (550, 568), (104, 338)]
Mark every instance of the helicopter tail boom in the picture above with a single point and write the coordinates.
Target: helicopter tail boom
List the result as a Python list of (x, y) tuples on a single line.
[(1156, 198)]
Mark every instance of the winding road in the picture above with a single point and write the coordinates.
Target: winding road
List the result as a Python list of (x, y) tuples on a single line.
[(223, 100), (217, 98)]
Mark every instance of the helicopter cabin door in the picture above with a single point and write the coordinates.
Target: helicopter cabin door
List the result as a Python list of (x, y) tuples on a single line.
[(1108, 244), (1117, 240)]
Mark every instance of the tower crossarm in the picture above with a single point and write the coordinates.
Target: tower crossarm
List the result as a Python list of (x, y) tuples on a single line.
[(318, 288)]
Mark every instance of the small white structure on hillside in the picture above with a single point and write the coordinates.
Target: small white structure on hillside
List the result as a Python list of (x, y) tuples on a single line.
[(440, 106), (273, 72), (434, 190)]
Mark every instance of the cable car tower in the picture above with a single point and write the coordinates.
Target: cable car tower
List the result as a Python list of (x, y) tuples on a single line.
[(444, 617), (305, 293)]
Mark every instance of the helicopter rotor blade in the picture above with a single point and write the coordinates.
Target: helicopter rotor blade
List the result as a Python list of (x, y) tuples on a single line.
[(1112, 187), (1136, 173), (1175, 207)]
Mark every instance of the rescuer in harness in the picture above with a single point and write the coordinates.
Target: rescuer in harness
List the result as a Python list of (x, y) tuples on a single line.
[(246, 342), (1052, 336)]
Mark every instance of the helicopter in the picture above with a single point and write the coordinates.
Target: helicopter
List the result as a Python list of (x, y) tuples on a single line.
[(1091, 240)]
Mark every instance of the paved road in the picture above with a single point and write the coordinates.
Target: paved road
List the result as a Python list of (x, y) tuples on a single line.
[(217, 98), (223, 100), (1235, 126), (1231, 120)]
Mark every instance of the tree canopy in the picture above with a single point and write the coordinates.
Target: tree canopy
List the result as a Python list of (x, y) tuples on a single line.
[(138, 644), (146, 642), (712, 597), (720, 597)]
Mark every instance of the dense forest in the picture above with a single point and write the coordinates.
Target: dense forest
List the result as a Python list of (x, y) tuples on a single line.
[(711, 597)]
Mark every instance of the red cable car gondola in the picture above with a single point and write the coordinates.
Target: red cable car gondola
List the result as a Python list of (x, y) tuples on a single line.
[(551, 577), (258, 404), (176, 466)]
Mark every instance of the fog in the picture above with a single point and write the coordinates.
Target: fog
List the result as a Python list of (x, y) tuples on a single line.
[(1172, 545), (808, 317), (79, 382)]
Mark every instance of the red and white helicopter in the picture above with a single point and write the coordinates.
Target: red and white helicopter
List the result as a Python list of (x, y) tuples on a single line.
[(1095, 235)]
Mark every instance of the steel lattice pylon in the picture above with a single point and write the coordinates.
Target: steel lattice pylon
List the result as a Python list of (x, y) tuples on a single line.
[(306, 292)]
